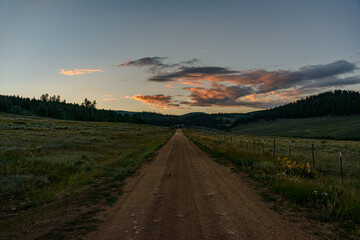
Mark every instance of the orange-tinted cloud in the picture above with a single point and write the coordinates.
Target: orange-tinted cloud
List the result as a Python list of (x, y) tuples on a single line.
[(158, 101), (110, 99), (78, 71), (257, 88), (228, 96)]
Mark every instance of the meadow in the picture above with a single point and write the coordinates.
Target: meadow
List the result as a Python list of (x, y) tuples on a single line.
[(43, 159), (328, 195), (338, 127)]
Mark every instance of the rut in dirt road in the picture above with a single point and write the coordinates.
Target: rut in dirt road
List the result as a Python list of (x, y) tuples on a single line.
[(183, 194)]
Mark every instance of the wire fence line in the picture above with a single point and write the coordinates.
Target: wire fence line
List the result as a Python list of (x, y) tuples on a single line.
[(328, 156)]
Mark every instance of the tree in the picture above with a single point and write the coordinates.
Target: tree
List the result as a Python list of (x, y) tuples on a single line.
[(44, 97)]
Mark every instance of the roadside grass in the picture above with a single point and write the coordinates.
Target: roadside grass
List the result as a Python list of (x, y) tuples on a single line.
[(326, 152), (43, 160), (330, 198)]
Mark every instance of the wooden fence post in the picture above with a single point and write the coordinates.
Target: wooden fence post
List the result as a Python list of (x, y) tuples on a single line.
[(290, 149), (313, 156), (341, 167), (274, 147)]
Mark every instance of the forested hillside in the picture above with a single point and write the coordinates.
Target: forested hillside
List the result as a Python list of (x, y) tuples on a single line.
[(337, 103), (52, 106), (199, 119)]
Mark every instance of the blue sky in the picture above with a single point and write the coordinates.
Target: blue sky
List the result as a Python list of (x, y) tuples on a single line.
[(247, 55)]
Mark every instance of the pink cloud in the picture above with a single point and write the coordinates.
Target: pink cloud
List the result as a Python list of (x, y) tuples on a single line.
[(158, 101)]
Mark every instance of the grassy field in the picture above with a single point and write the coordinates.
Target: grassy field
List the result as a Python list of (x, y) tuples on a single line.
[(322, 190), (45, 159), (326, 152), (321, 127)]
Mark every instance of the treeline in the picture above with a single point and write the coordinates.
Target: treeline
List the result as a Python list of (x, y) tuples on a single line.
[(53, 106), (218, 121), (332, 103)]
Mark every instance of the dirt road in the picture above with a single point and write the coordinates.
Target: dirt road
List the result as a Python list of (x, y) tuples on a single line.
[(183, 194)]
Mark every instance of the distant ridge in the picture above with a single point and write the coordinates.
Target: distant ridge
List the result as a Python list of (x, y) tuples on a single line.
[(193, 119)]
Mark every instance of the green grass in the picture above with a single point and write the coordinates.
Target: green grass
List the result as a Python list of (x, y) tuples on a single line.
[(326, 152), (45, 159), (327, 195), (347, 127)]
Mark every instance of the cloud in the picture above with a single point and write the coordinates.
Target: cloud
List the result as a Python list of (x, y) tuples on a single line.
[(110, 99), (258, 88), (143, 62), (332, 82), (158, 101), (264, 81), (203, 51), (78, 71), (156, 64), (193, 73), (331, 69), (108, 95), (220, 95)]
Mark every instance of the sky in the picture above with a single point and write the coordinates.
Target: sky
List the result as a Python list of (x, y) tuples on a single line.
[(176, 57)]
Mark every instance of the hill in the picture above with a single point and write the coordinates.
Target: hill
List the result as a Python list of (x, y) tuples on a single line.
[(332, 103), (195, 119)]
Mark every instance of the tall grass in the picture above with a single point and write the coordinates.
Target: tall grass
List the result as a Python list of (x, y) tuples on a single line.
[(44, 159), (331, 197)]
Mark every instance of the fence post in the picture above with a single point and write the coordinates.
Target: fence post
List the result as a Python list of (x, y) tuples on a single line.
[(254, 145), (274, 147), (290, 149), (341, 167), (313, 156)]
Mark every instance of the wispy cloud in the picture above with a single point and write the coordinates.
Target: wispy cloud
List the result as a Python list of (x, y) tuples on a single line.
[(143, 62), (109, 99), (156, 64), (78, 71), (203, 51)]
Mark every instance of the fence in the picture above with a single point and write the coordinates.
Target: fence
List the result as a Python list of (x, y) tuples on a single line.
[(328, 156)]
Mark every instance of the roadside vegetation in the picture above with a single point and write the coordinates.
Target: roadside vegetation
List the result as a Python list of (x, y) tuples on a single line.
[(330, 197), (42, 160)]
